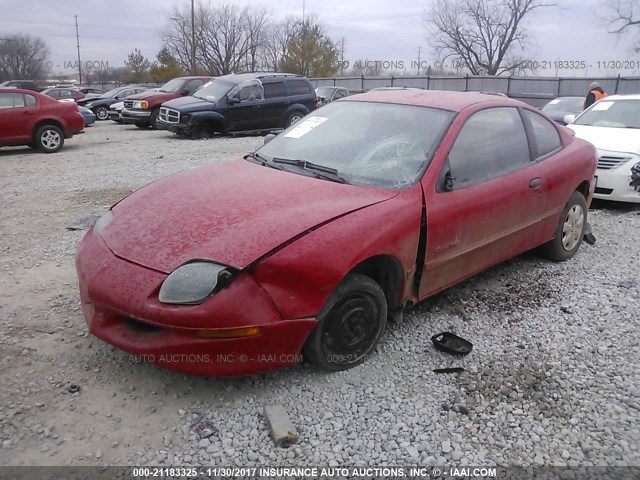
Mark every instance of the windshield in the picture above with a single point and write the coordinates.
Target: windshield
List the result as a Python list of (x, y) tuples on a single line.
[(367, 144), (325, 92), (612, 113), (172, 86), (214, 90), (564, 105)]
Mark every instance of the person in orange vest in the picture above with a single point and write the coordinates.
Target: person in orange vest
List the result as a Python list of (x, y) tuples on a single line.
[(595, 93)]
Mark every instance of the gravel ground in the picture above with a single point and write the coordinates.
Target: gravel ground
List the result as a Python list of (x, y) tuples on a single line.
[(553, 379)]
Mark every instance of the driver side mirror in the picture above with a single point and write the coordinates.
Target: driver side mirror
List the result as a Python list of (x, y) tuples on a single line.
[(233, 100), (448, 181), (569, 119), (268, 138), (184, 92)]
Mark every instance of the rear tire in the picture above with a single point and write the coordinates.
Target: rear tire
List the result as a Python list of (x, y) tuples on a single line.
[(49, 139), (569, 232), (293, 118), (350, 325)]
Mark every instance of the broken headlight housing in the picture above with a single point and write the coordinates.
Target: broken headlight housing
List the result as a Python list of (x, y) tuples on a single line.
[(192, 283)]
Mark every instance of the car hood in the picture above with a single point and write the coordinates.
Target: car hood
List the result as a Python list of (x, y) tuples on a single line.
[(231, 213), (160, 96), (625, 140), (189, 104)]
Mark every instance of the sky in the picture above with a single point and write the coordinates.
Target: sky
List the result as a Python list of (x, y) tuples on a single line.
[(377, 30)]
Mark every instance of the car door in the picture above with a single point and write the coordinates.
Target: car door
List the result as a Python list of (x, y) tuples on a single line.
[(272, 112), (17, 114), (245, 105), (484, 202)]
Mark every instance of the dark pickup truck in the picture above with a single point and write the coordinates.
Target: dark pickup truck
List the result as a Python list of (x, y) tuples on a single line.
[(142, 109)]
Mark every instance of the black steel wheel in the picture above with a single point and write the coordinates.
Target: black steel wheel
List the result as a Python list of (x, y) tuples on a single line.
[(350, 325)]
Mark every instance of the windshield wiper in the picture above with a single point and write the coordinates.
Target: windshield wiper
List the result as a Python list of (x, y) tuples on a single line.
[(320, 171), (261, 160)]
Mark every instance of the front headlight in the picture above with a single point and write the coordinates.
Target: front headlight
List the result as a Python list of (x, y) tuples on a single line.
[(192, 283), (140, 104), (88, 105)]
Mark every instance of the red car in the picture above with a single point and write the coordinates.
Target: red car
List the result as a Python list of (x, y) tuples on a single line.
[(361, 209), (64, 93), (30, 118)]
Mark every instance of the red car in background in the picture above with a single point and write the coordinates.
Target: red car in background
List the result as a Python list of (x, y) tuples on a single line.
[(36, 120), (360, 209), (143, 109), (64, 93)]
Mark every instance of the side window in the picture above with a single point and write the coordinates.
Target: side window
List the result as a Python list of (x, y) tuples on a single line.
[(193, 85), (249, 91), (30, 100), (339, 94), (545, 134), (54, 93), (274, 90), (11, 100), (492, 142), (299, 87)]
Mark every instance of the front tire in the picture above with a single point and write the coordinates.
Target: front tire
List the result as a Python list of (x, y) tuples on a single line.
[(153, 119), (350, 325), (49, 139), (102, 113), (570, 230)]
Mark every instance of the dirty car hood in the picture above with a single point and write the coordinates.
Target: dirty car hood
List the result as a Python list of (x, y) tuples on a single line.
[(231, 213)]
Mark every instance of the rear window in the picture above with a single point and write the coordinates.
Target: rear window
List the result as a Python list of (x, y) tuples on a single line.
[(546, 136), (299, 87)]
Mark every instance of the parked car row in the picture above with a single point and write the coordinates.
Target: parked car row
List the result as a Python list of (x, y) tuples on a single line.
[(203, 106)]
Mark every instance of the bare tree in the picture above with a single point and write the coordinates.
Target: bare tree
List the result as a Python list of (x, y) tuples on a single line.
[(484, 36), (278, 36), (228, 38), (256, 21), (177, 35), (23, 57), (623, 17)]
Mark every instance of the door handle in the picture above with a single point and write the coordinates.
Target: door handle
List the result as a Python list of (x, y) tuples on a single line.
[(27, 113), (535, 183)]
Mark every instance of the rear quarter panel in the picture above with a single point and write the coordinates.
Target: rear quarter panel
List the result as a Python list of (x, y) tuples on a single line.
[(565, 172)]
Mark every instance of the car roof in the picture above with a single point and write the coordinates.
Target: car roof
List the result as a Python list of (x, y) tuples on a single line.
[(442, 99), (18, 90), (243, 77), (630, 96)]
